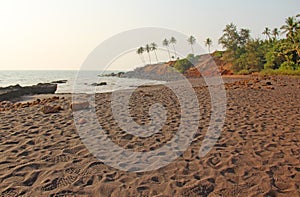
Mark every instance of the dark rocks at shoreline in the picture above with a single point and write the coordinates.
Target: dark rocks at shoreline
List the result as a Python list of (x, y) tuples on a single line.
[(16, 91), (99, 84), (59, 81), (119, 74)]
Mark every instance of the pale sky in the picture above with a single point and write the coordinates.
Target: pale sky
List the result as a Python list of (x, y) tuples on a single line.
[(60, 34)]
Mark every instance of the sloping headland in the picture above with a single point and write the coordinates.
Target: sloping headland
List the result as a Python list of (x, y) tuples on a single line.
[(168, 71)]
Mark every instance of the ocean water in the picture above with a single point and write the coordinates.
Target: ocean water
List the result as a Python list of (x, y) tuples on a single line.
[(76, 82)]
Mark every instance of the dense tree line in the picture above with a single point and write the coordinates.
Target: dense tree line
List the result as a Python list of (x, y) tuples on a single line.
[(253, 55)]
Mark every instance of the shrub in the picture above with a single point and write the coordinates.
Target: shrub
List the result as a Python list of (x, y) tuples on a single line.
[(289, 65), (244, 72), (182, 65), (218, 54), (254, 70)]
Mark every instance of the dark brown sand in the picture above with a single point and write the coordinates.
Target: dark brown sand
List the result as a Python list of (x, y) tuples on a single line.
[(257, 154)]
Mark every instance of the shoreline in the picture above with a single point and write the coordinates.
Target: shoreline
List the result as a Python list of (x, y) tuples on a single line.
[(228, 79)]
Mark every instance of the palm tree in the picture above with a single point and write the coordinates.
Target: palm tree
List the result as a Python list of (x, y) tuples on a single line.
[(267, 32), (148, 49), (173, 42), (153, 46), (208, 43), (275, 33), (166, 44), (140, 52), (290, 28), (192, 40)]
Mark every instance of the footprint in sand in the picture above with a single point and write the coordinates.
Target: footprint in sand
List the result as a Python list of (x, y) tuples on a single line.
[(10, 192), (50, 186), (74, 150), (66, 181), (72, 171), (31, 179), (59, 183), (58, 159), (65, 193), (214, 160), (199, 190)]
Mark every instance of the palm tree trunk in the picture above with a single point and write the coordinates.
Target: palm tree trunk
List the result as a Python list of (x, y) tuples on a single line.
[(142, 59), (297, 44), (156, 56), (175, 54), (298, 51), (149, 57), (169, 53), (192, 49)]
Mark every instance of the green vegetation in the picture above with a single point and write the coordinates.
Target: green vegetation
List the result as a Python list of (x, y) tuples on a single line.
[(182, 65), (269, 56), (277, 54)]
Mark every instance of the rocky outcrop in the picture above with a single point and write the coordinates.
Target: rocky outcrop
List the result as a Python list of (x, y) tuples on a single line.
[(119, 74), (161, 72), (60, 81), (16, 91), (205, 65), (99, 84)]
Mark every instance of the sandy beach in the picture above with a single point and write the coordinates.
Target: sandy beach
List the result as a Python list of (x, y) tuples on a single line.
[(257, 153)]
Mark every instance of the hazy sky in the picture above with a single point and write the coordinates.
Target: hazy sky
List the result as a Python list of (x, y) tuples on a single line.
[(59, 34)]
